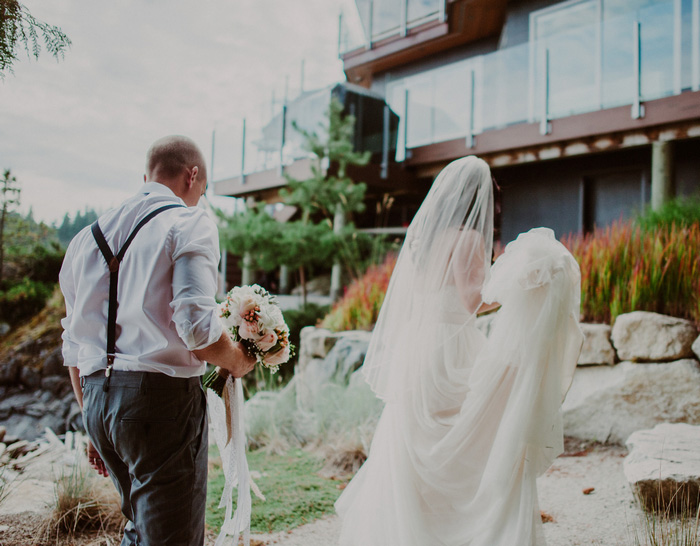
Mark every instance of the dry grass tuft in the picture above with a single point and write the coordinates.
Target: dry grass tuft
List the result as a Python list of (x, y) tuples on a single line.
[(83, 502)]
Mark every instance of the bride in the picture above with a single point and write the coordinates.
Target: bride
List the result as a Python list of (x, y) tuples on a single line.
[(468, 424)]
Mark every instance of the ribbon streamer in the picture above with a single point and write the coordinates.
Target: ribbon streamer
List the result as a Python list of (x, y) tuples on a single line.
[(228, 420)]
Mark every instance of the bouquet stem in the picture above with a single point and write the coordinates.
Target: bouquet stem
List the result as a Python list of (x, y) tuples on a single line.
[(216, 380)]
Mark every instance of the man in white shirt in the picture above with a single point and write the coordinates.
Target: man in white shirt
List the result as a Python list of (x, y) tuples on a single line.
[(136, 371)]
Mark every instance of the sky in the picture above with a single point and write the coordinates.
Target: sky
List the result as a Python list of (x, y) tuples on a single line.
[(75, 132)]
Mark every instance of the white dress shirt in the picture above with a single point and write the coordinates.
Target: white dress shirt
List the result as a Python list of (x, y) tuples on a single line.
[(167, 283)]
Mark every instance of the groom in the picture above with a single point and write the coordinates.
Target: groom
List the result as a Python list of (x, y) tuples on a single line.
[(136, 372)]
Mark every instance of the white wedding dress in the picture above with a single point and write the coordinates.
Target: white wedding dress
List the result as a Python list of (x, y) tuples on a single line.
[(470, 423)]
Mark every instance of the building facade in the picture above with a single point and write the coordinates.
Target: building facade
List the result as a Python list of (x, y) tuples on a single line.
[(586, 110)]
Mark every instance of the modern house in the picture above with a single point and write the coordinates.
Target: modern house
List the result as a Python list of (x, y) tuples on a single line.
[(586, 110)]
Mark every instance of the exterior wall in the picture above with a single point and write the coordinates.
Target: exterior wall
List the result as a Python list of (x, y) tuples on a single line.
[(687, 167), (573, 194)]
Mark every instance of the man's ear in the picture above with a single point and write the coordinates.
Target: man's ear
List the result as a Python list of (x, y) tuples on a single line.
[(192, 176)]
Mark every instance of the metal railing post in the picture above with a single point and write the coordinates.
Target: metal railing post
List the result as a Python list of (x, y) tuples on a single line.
[(282, 139), (404, 18), (370, 25), (405, 125), (471, 83), (340, 34), (637, 106), (213, 147), (696, 45), (545, 125), (384, 174), (243, 154)]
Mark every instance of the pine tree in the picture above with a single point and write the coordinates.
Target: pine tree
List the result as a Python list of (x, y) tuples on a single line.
[(10, 197)]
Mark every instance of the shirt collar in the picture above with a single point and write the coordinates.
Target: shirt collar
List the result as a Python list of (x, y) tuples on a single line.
[(157, 187)]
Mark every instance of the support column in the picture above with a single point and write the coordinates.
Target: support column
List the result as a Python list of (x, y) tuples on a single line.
[(247, 272), (338, 225), (284, 280), (662, 188)]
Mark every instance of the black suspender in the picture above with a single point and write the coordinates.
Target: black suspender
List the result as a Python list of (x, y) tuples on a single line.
[(113, 263)]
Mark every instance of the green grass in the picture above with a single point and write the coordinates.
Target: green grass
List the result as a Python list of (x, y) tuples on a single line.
[(295, 493)]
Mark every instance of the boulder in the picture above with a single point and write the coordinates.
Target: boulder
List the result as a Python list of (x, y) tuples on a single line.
[(315, 343), (346, 356), (9, 372), (53, 364), (663, 467), (29, 377), (642, 336), (597, 348), (608, 403), (696, 347)]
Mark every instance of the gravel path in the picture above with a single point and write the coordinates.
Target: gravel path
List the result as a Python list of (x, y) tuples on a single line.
[(603, 517)]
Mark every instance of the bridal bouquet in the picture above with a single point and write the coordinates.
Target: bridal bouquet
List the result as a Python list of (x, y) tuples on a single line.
[(251, 316)]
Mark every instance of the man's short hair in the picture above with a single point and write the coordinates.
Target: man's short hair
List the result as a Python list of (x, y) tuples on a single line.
[(171, 155)]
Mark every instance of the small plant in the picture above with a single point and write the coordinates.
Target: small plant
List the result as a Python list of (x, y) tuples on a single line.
[(82, 502), (675, 522), (680, 212), (359, 308)]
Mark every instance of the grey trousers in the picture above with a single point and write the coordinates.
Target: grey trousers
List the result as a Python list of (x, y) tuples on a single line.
[(151, 432)]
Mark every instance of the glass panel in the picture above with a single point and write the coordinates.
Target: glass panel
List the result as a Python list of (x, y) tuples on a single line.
[(687, 44), (352, 26), (451, 105), (387, 17), (619, 80), (420, 110), (419, 9), (571, 34), (505, 83), (657, 50)]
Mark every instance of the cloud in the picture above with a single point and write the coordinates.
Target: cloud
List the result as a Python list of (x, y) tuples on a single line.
[(75, 132)]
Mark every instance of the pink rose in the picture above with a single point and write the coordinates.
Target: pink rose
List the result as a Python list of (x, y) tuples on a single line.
[(280, 357), (267, 341), (249, 330)]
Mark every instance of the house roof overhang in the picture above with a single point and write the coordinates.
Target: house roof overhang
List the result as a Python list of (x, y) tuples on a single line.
[(467, 21)]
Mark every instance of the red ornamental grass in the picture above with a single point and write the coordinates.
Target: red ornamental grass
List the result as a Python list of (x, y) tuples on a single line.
[(624, 268)]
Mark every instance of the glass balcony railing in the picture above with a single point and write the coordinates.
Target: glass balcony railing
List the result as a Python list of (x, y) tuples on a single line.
[(272, 139), (639, 56), (363, 22)]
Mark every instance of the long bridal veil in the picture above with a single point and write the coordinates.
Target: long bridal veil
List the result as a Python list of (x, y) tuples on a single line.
[(469, 423)]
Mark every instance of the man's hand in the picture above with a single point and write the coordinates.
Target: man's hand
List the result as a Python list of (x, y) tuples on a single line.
[(95, 460), (244, 363), (230, 355)]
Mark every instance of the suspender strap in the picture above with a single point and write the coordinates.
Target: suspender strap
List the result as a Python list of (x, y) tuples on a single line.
[(113, 263)]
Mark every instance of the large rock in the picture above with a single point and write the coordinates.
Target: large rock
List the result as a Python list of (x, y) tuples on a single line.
[(347, 354), (608, 403), (696, 347), (663, 467), (642, 336), (315, 343), (597, 348)]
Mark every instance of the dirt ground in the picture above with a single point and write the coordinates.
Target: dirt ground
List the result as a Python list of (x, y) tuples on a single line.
[(584, 497)]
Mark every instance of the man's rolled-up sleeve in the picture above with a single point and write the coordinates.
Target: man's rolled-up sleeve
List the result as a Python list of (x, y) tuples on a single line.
[(195, 257), (67, 284)]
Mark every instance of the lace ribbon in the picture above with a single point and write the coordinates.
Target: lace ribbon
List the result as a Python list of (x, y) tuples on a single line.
[(228, 421)]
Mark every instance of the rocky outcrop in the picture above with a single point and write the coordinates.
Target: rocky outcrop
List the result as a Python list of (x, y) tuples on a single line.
[(642, 336), (610, 403), (327, 357), (35, 392), (696, 347), (663, 467), (597, 348)]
